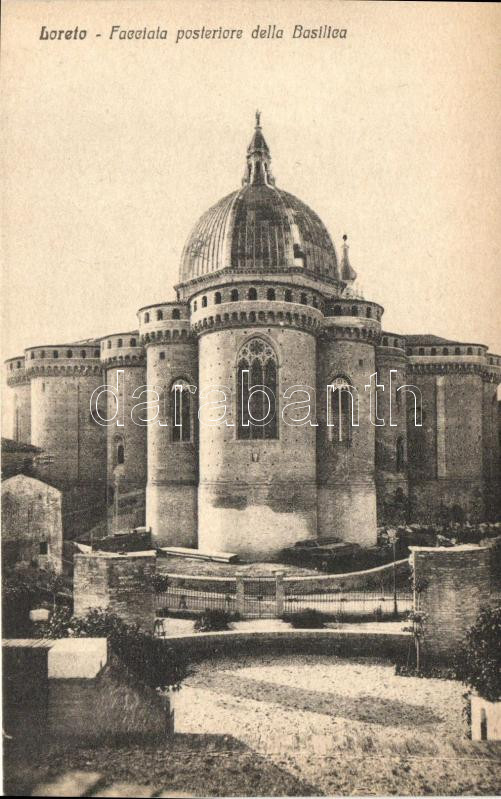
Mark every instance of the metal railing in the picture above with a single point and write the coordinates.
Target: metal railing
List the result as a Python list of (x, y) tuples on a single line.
[(352, 605)]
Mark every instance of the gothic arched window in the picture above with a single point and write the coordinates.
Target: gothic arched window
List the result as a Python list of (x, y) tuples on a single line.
[(217, 298), (180, 399), (257, 377), (270, 294), (234, 295), (252, 295), (343, 411)]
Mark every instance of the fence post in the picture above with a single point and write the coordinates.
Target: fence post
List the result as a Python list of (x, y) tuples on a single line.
[(240, 600), (279, 593)]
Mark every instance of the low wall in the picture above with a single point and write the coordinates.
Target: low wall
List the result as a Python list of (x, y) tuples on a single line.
[(344, 643), (350, 581), (451, 586), (110, 707), (65, 688)]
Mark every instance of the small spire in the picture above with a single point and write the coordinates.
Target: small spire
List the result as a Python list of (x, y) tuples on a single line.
[(258, 167), (348, 274)]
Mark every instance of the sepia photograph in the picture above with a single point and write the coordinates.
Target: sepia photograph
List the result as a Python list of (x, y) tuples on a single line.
[(251, 398)]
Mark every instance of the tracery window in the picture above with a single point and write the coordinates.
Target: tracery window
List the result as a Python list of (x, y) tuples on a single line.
[(257, 376), (180, 406)]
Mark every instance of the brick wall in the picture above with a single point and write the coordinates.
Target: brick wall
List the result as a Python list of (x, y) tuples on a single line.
[(452, 586), (256, 496), (31, 522), (117, 583)]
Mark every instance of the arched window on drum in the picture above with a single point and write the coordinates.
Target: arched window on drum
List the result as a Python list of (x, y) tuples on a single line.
[(119, 450), (181, 411), (257, 377), (400, 454), (342, 411)]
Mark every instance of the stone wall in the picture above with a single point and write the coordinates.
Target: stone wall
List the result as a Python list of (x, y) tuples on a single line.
[(31, 523), (117, 583), (62, 689), (451, 587), (342, 643), (256, 496), (171, 493), (345, 469), (111, 707)]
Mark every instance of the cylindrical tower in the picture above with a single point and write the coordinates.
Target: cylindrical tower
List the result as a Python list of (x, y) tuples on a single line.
[(63, 379), (172, 360), (20, 400), (346, 434), (391, 437), (257, 491), (124, 364), (445, 454), (491, 453)]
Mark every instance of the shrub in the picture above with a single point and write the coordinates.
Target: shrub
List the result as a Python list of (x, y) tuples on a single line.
[(150, 659), (159, 583), (213, 620), (308, 619), (436, 672), (478, 664)]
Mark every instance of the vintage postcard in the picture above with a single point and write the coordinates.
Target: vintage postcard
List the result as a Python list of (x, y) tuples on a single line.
[(251, 510)]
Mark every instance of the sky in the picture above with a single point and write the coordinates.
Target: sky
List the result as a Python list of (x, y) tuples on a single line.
[(114, 148)]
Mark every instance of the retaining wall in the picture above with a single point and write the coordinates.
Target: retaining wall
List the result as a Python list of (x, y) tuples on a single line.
[(344, 643)]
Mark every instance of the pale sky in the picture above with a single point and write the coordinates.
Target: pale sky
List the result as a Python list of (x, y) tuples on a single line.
[(114, 148)]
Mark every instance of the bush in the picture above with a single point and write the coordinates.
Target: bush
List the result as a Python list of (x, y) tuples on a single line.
[(213, 620), (150, 659), (308, 619), (436, 672), (478, 664)]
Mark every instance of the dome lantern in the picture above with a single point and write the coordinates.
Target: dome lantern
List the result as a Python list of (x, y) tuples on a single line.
[(258, 167)]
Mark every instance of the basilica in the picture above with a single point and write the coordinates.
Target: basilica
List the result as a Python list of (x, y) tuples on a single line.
[(266, 305)]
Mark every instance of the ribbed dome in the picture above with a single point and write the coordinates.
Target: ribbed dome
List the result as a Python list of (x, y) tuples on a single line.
[(258, 228)]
